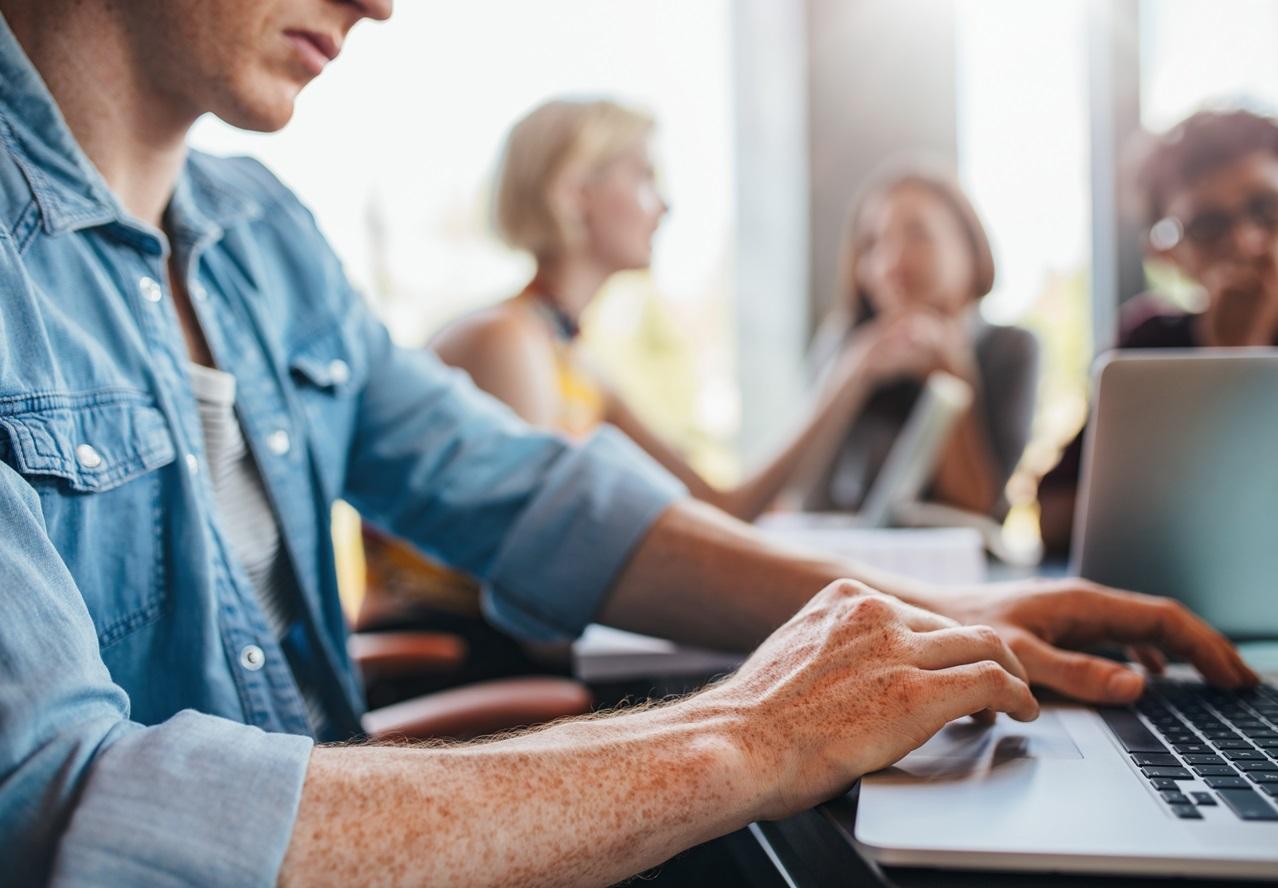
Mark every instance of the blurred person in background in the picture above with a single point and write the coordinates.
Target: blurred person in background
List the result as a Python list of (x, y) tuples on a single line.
[(1209, 189), (576, 188), (917, 263)]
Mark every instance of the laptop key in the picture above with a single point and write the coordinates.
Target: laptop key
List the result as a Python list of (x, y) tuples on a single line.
[(1227, 783), (1204, 799), (1256, 767), (1244, 755), (1130, 730), (1186, 812), (1264, 776), (1232, 744), (1215, 771), (1164, 783), (1194, 748), (1248, 804), (1197, 759), (1175, 797), (1156, 760), (1270, 789), (1169, 773)]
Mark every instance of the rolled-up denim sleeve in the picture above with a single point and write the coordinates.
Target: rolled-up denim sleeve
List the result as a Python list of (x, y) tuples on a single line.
[(86, 795), (546, 524)]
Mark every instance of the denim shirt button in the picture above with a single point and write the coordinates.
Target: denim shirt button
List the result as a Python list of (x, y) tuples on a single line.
[(339, 371), (193, 464), (87, 456), (278, 442), (252, 657), (150, 289), (198, 293)]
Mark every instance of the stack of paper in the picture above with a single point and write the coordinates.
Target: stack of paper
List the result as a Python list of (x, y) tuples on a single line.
[(950, 555), (942, 555)]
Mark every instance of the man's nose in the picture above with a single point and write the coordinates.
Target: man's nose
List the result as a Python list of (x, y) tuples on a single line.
[(375, 9)]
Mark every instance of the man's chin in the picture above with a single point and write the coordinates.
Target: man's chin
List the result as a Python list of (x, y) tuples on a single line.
[(263, 115)]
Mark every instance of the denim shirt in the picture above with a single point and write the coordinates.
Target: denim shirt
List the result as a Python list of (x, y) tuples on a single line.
[(151, 728)]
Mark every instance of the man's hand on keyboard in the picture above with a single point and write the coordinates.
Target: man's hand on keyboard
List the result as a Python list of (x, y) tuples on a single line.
[(854, 681), (1046, 623)]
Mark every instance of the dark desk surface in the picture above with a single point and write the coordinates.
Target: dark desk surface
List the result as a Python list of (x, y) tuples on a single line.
[(815, 848)]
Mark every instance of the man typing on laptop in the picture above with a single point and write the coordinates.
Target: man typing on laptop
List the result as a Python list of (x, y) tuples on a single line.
[(160, 700)]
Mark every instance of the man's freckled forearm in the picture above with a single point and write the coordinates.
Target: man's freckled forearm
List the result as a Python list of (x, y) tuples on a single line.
[(586, 803)]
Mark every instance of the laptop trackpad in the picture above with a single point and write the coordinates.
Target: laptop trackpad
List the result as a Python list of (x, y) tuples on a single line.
[(964, 749)]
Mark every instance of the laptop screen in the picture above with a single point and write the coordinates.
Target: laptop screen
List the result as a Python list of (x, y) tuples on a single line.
[(1180, 483)]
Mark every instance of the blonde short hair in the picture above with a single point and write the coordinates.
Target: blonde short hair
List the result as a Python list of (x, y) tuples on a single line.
[(561, 141)]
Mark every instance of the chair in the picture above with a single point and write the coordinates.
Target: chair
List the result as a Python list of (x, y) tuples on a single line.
[(460, 713)]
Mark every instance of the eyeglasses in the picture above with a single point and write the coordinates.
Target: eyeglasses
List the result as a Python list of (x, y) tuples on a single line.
[(1210, 228)]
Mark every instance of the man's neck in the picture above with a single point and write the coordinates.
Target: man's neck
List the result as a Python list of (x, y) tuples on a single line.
[(134, 135)]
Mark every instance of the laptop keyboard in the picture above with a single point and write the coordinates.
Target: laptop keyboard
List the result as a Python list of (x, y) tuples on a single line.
[(1183, 733)]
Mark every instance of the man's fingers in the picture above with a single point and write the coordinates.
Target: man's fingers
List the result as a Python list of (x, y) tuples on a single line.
[(1184, 633), (985, 717), (1144, 619), (973, 688), (1082, 676), (1150, 657), (921, 620), (966, 644)]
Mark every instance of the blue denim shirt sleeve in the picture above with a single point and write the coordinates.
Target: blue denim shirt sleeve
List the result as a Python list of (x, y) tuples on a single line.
[(86, 795), (545, 523)]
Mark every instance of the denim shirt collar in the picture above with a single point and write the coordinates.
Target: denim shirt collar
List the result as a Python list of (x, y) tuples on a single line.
[(203, 206), (68, 188)]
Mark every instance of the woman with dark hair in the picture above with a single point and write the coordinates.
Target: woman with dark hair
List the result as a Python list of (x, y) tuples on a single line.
[(916, 264), (1210, 192)]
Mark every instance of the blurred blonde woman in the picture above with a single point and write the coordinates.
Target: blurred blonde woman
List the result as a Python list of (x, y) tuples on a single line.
[(577, 190), (916, 264)]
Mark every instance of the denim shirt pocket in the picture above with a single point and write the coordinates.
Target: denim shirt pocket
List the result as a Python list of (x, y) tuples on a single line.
[(92, 458), (328, 374)]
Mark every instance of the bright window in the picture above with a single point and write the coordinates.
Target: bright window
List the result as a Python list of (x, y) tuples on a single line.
[(1023, 148), (1198, 53)]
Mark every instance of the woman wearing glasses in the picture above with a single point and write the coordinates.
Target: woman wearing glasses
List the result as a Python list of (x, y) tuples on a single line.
[(1210, 188)]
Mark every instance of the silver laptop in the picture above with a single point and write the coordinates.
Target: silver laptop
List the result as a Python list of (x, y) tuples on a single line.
[(1180, 498)]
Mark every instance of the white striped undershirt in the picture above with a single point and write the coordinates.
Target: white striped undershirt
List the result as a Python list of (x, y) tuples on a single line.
[(244, 510)]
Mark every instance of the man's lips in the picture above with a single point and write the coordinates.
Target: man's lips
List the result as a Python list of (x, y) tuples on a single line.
[(316, 49)]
